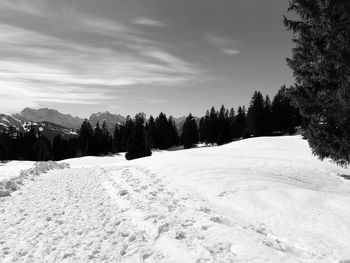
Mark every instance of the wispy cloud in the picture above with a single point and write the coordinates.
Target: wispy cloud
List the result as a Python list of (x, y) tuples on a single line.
[(39, 68), (222, 44), (216, 40), (146, 21), (33, 7), (229, 51)]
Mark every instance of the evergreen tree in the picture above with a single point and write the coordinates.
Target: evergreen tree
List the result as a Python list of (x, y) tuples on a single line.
[(43, 149), (286, 116), (267, 117), (164, 136), (106, 139), (213, 126), (223, 126), (85, 138), (97, 142), (116, 139), (59, 148), (174, 136), (152, 132), (190, 136), (204, 127), (232, 126), (125, 131), (138, 144), (255, 117), (202, 130), (320, 62), (241, 123)]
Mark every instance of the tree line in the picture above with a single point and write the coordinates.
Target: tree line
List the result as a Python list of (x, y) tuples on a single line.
[(263, 118), (138, 135)]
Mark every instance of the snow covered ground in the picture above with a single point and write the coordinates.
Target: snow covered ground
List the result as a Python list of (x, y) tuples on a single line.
[(257, 200), (13, 169)]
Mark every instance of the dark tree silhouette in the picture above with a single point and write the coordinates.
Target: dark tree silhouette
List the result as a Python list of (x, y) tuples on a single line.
[(190, 135), (164, 136), (213, 126), (174, 135), (138, 144), (152, 132), (255, 117), (85, 138), (223, 126), (286, 116), (267, 117), (321, 65), (241, 123)]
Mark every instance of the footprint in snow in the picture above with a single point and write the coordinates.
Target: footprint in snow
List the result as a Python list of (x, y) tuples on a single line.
[(123, 192)]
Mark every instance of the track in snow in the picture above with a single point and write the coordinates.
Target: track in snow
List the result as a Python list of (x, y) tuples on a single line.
[(128, 214)]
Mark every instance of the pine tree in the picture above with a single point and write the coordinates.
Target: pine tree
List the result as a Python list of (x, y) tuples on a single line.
[(213, 126), (267, 117), (255, 117), (202, 130), (190, 136), (223, 126), (174, 136), (106, 139), (152, 132), (231, 121), (320, 62), (85, 138), (164, 136), (58, 148), (116, 139), (286, 116), (125, 131), (241, 123), (97, 145), (138, 144)]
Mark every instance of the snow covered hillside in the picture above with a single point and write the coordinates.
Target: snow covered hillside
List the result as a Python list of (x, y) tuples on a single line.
[(256, 200)]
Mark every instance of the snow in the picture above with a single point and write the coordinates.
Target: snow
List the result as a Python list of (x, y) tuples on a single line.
[(256, 200), (5, 119), (13, 168), (12, 177)]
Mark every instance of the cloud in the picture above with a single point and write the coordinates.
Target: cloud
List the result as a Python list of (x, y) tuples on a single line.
[(37, 68), (216, 40), (229, 51), (33, 7), (145, 21), (223, 44)]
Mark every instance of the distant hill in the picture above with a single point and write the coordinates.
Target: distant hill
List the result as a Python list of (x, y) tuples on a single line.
[(48, 129), (110, 119), (49, 115)]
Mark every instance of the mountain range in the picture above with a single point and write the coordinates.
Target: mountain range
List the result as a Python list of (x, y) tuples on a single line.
[(52, 122), (50, 115)]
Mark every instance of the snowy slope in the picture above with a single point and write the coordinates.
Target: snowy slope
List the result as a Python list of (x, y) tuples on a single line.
[(257, 200)]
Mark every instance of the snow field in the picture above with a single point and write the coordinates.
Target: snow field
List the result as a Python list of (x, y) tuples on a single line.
[(257, 200)]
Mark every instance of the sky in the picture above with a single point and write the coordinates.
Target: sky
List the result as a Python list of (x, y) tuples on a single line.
[(128, 56)]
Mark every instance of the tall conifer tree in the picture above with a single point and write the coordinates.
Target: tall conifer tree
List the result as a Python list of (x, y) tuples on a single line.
[(321, 65)]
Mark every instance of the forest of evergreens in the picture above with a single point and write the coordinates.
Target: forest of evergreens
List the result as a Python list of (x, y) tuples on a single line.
[(138, 135)]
